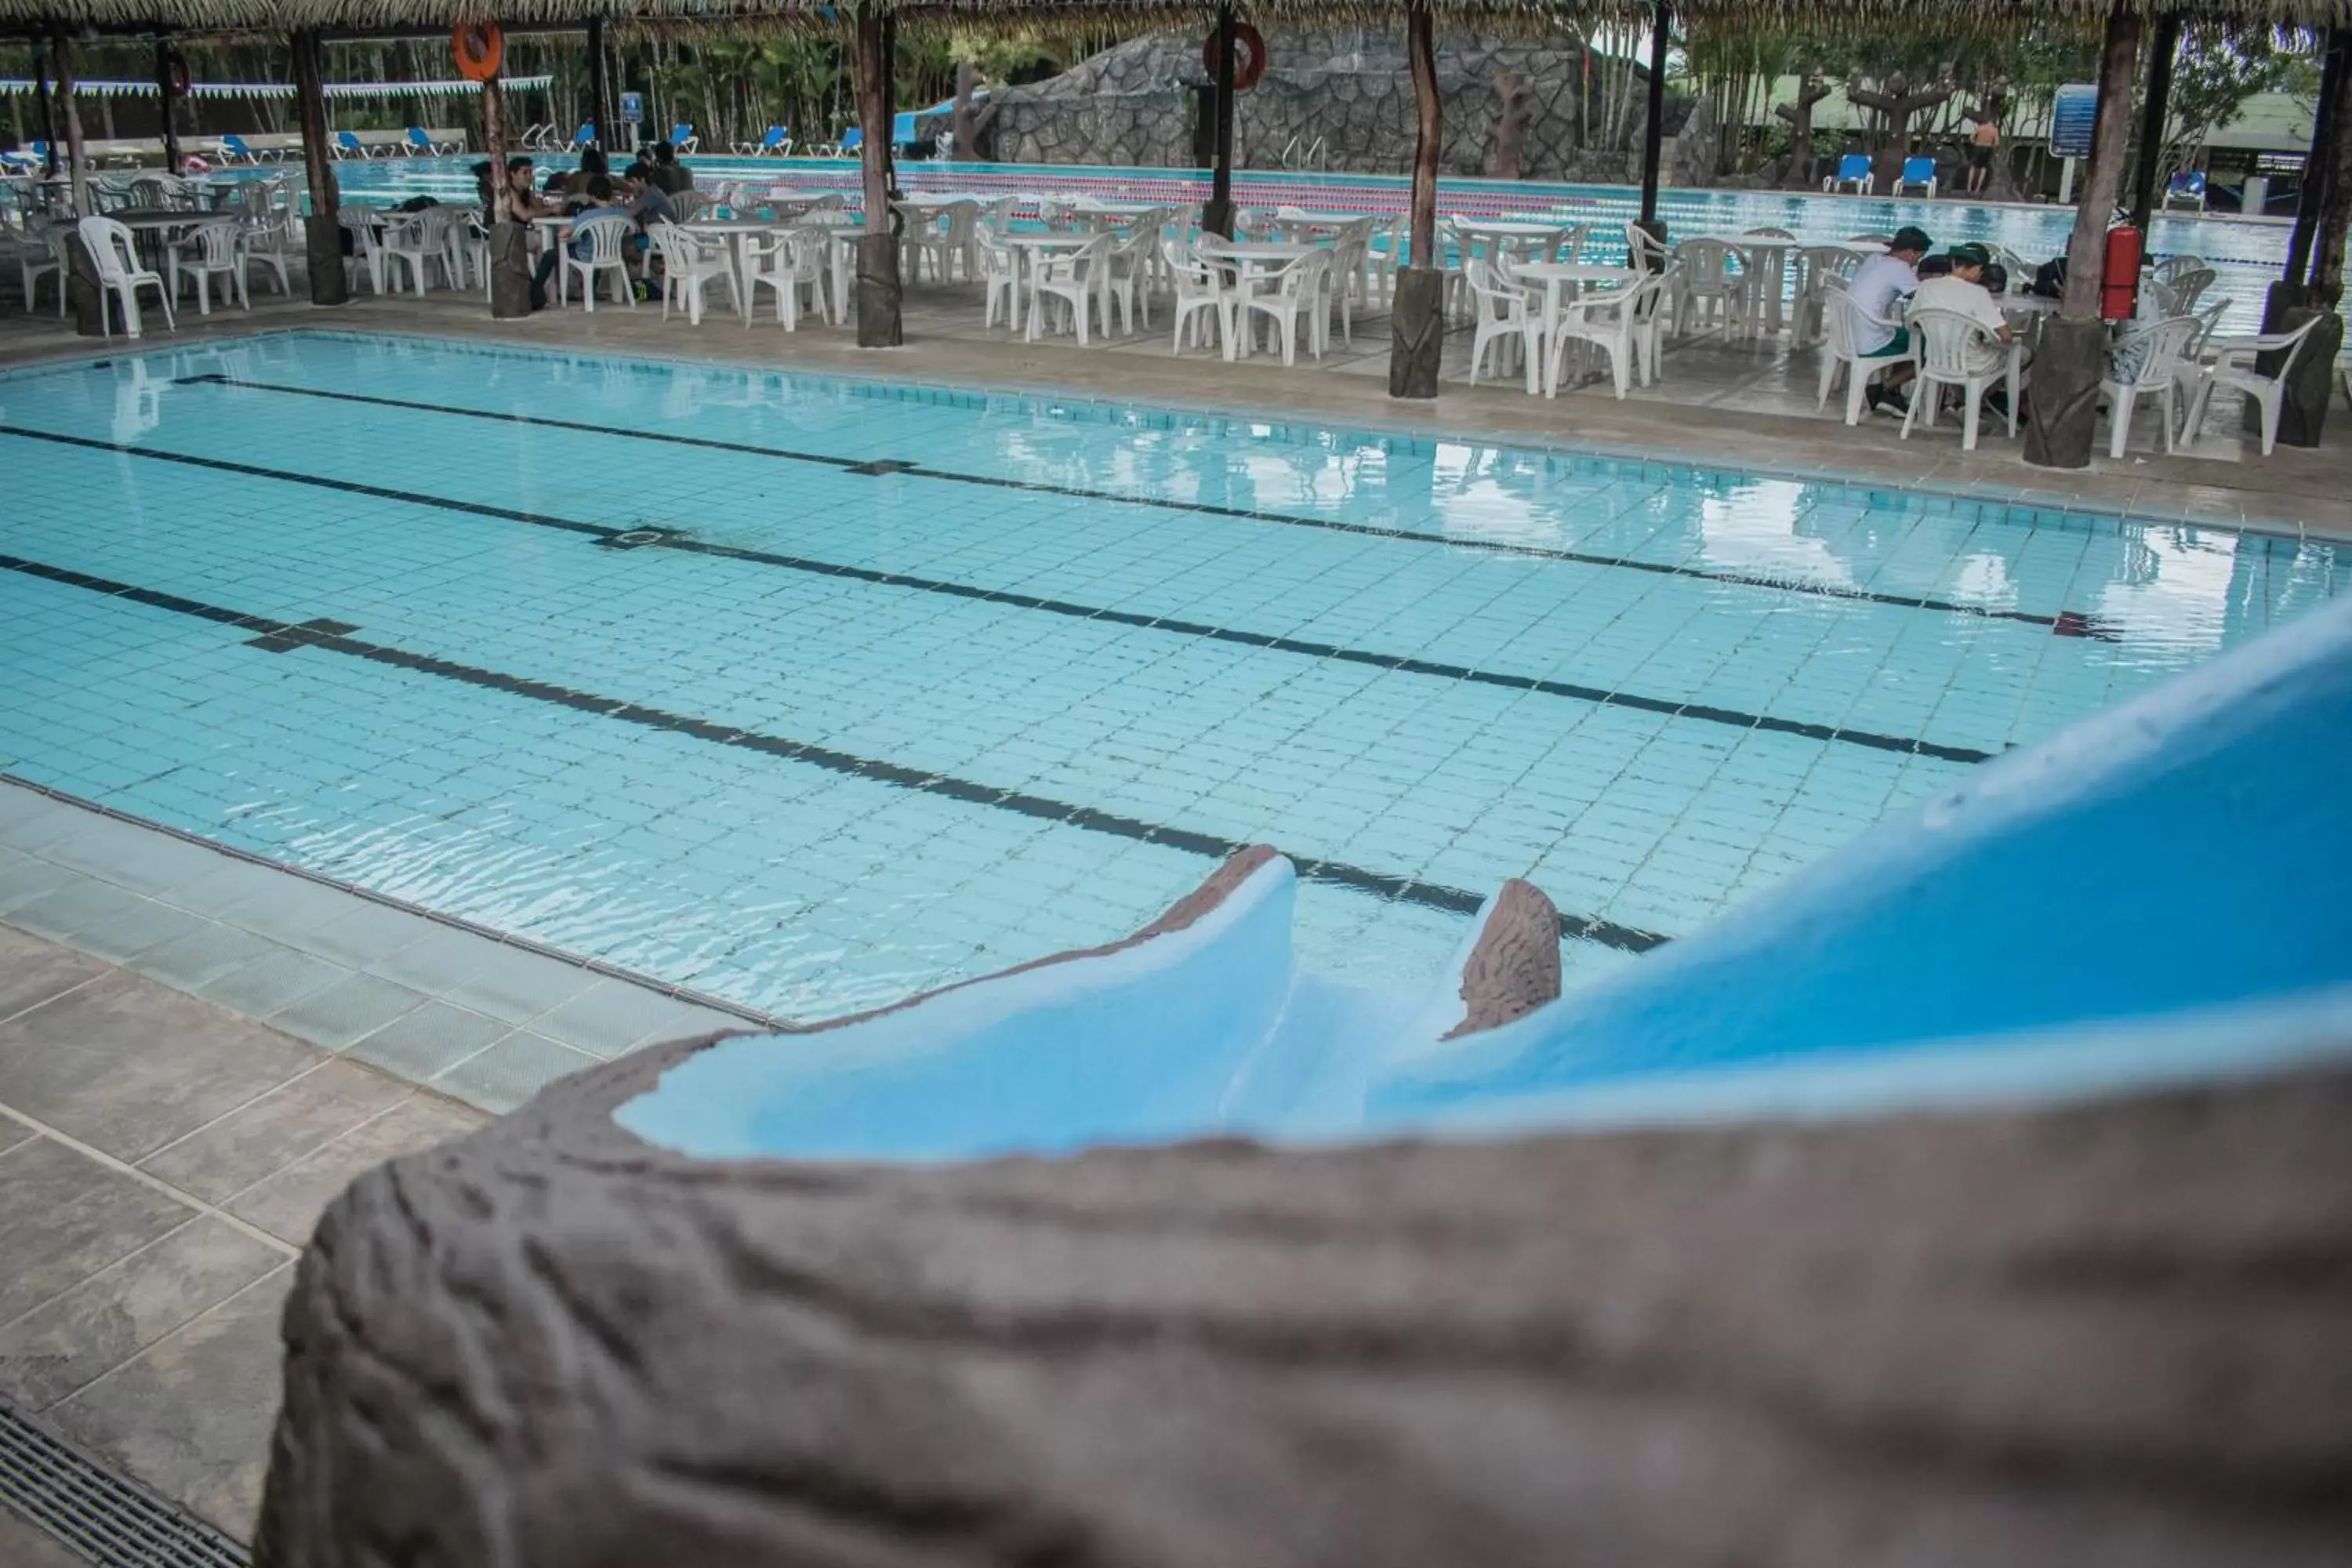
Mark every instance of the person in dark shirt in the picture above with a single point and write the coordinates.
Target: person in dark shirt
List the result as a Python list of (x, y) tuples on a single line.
[(670, 174)]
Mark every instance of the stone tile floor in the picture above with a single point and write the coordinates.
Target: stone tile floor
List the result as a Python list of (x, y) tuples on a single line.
[(162, 1160)]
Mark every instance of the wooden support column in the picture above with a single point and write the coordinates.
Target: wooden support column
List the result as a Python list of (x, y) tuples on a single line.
[(599, 70), (1217, 218), (323, 234), (2335, 86), (1417, 317), (1653, 129), (2063, 381), (89, 300), (171, 103), (2155, 108), (2313, 286), (879, 321), (48, 107), (509, 249)]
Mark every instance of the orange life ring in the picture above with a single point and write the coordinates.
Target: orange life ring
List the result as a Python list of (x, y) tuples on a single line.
[(1250, 46), (175, 74), (480, 49)]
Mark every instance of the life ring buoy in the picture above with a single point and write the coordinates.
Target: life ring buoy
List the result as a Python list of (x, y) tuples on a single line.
[(1250, 43), (175, 74), (480, 49)]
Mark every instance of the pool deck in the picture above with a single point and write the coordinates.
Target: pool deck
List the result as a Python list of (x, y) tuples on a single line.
[(198, 1050), (1737, 406)]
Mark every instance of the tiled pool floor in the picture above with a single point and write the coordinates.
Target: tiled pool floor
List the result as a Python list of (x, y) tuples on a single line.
[(809, 694)]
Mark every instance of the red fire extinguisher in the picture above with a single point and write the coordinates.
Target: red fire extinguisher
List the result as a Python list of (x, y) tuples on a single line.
[(2119, 281)]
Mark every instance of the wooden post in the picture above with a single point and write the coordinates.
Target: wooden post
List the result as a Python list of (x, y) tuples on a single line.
[(1654, 133), (2335, 82), (170, 102), (323, 234), (1417, 318), (598, 68), (2313, 286), (2063, 382), (2331, 145), (77, 165), (879, 321), (1217, 218), (510, 248), (2162, 47), (48, 109)]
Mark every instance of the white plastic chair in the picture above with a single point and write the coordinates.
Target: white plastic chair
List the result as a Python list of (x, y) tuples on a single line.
[(1818, 266), (2233, 365), (789, 263), (1607, 319), (1644, 251), (1200, 289), (1073, 276), (688, 265), (999, 274), (367, 256), (416, 242), (2153, 355), (1953, 349), (210, 250), (38, 243), (1501, 315), (1845, 324), (1127, 273), (1711, 288), (606, 239), (119, 272), (1288, 297)]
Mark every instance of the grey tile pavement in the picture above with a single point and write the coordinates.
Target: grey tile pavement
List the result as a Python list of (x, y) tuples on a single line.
[(64, 1216), (287, 1203)]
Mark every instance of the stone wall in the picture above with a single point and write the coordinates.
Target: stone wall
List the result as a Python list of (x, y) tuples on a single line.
[(1351, 92)]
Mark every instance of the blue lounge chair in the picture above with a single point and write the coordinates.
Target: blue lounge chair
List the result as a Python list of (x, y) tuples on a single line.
[(1853, 168), (233, 149), (683, 138), (1918, 173), (853, 139), (2187, 187), (584, 137), (349, 146), (423, 146), (776, 143)]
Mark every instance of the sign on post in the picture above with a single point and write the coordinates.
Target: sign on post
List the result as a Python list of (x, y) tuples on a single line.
[(2074, 114)]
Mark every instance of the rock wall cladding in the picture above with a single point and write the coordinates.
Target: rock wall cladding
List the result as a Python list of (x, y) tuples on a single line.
[(1328, 100)]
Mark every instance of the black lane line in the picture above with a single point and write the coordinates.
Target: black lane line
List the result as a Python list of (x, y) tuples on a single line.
[(1162, 503), (292, 636), (635, 538)]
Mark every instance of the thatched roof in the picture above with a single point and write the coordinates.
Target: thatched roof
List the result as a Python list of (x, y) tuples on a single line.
[(359, 15)]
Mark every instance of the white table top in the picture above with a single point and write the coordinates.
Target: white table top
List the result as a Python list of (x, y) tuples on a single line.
[(1515, 228), (1097, 205), (1320, 220), (1257, 249), (1049, 241)]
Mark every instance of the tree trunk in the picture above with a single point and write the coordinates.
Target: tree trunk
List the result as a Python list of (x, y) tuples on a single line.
[(2148, 167), (2064, 408), (323, 234), (1508, 150), (167, 102), (1217, 218), (1417, 315), (879, 325), (1653, 125)]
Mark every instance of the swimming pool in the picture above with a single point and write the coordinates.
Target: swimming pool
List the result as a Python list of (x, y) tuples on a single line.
[(811, 693), (2247, 255)]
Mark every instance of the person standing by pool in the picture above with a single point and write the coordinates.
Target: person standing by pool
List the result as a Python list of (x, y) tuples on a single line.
[(1877, 285), (1983, 142)]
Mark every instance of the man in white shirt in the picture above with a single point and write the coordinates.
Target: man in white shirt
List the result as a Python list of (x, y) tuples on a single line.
[(1962, 292), (1876, 290)]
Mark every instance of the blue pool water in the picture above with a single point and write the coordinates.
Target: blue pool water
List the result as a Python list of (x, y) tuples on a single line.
[(811, 693), (2247, 255)]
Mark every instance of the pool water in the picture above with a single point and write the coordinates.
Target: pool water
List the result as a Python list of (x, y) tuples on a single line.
[(2247, 255), (811, 693)]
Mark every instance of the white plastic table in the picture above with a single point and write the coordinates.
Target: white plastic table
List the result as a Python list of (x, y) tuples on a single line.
[(1034, 248), (1556, 276)]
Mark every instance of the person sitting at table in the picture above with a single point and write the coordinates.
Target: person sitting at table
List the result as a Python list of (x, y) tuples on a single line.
[(603, 201), (670, 174), (593, 167), (1877, 285), (1961, 291)]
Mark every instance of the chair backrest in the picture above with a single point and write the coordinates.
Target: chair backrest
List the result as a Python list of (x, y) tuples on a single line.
[(1822, 262), (1644, 250), (1706, 263), (2293, 344), (1870, 239), (348, 143), (2183, 263), (686, 204), (1918, 171), (2188, 283), (672, 244), (601, 238), (1185, 261), (1769, 234), (110, 247), (1853, 166), (1847, 325), (1948, 344), (418, 140), (2189, 182), (1489, 287), (585, 135), (232, 142), (853, 139), (774, 139), (1000, 213), (2152, 352), (682, 131), (217, 240)]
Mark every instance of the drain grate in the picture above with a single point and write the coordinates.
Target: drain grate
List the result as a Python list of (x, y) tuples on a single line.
[(98, 1513)]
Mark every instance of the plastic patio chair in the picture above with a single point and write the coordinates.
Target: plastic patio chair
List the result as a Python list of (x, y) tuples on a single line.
[(348, 145), (1712, 288), (1853, 168), (1073, 276), (1200, 290), (2233, 365), (1844, 324), (606, 239), (1501, 315), (1000, 273), (851, 140), (116, 257), (232, 148), (1953, 349), (689, 264), (2150, 356), (209, 250), (788, 263), (776, 143), (1609, 319), (1918, 174), (1290, 298), (261, 238), (49, 241), (2187, 187), (682, 137), (415, 240), (1126, 272), (1818, 266), (420, 145), (585, 137)]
